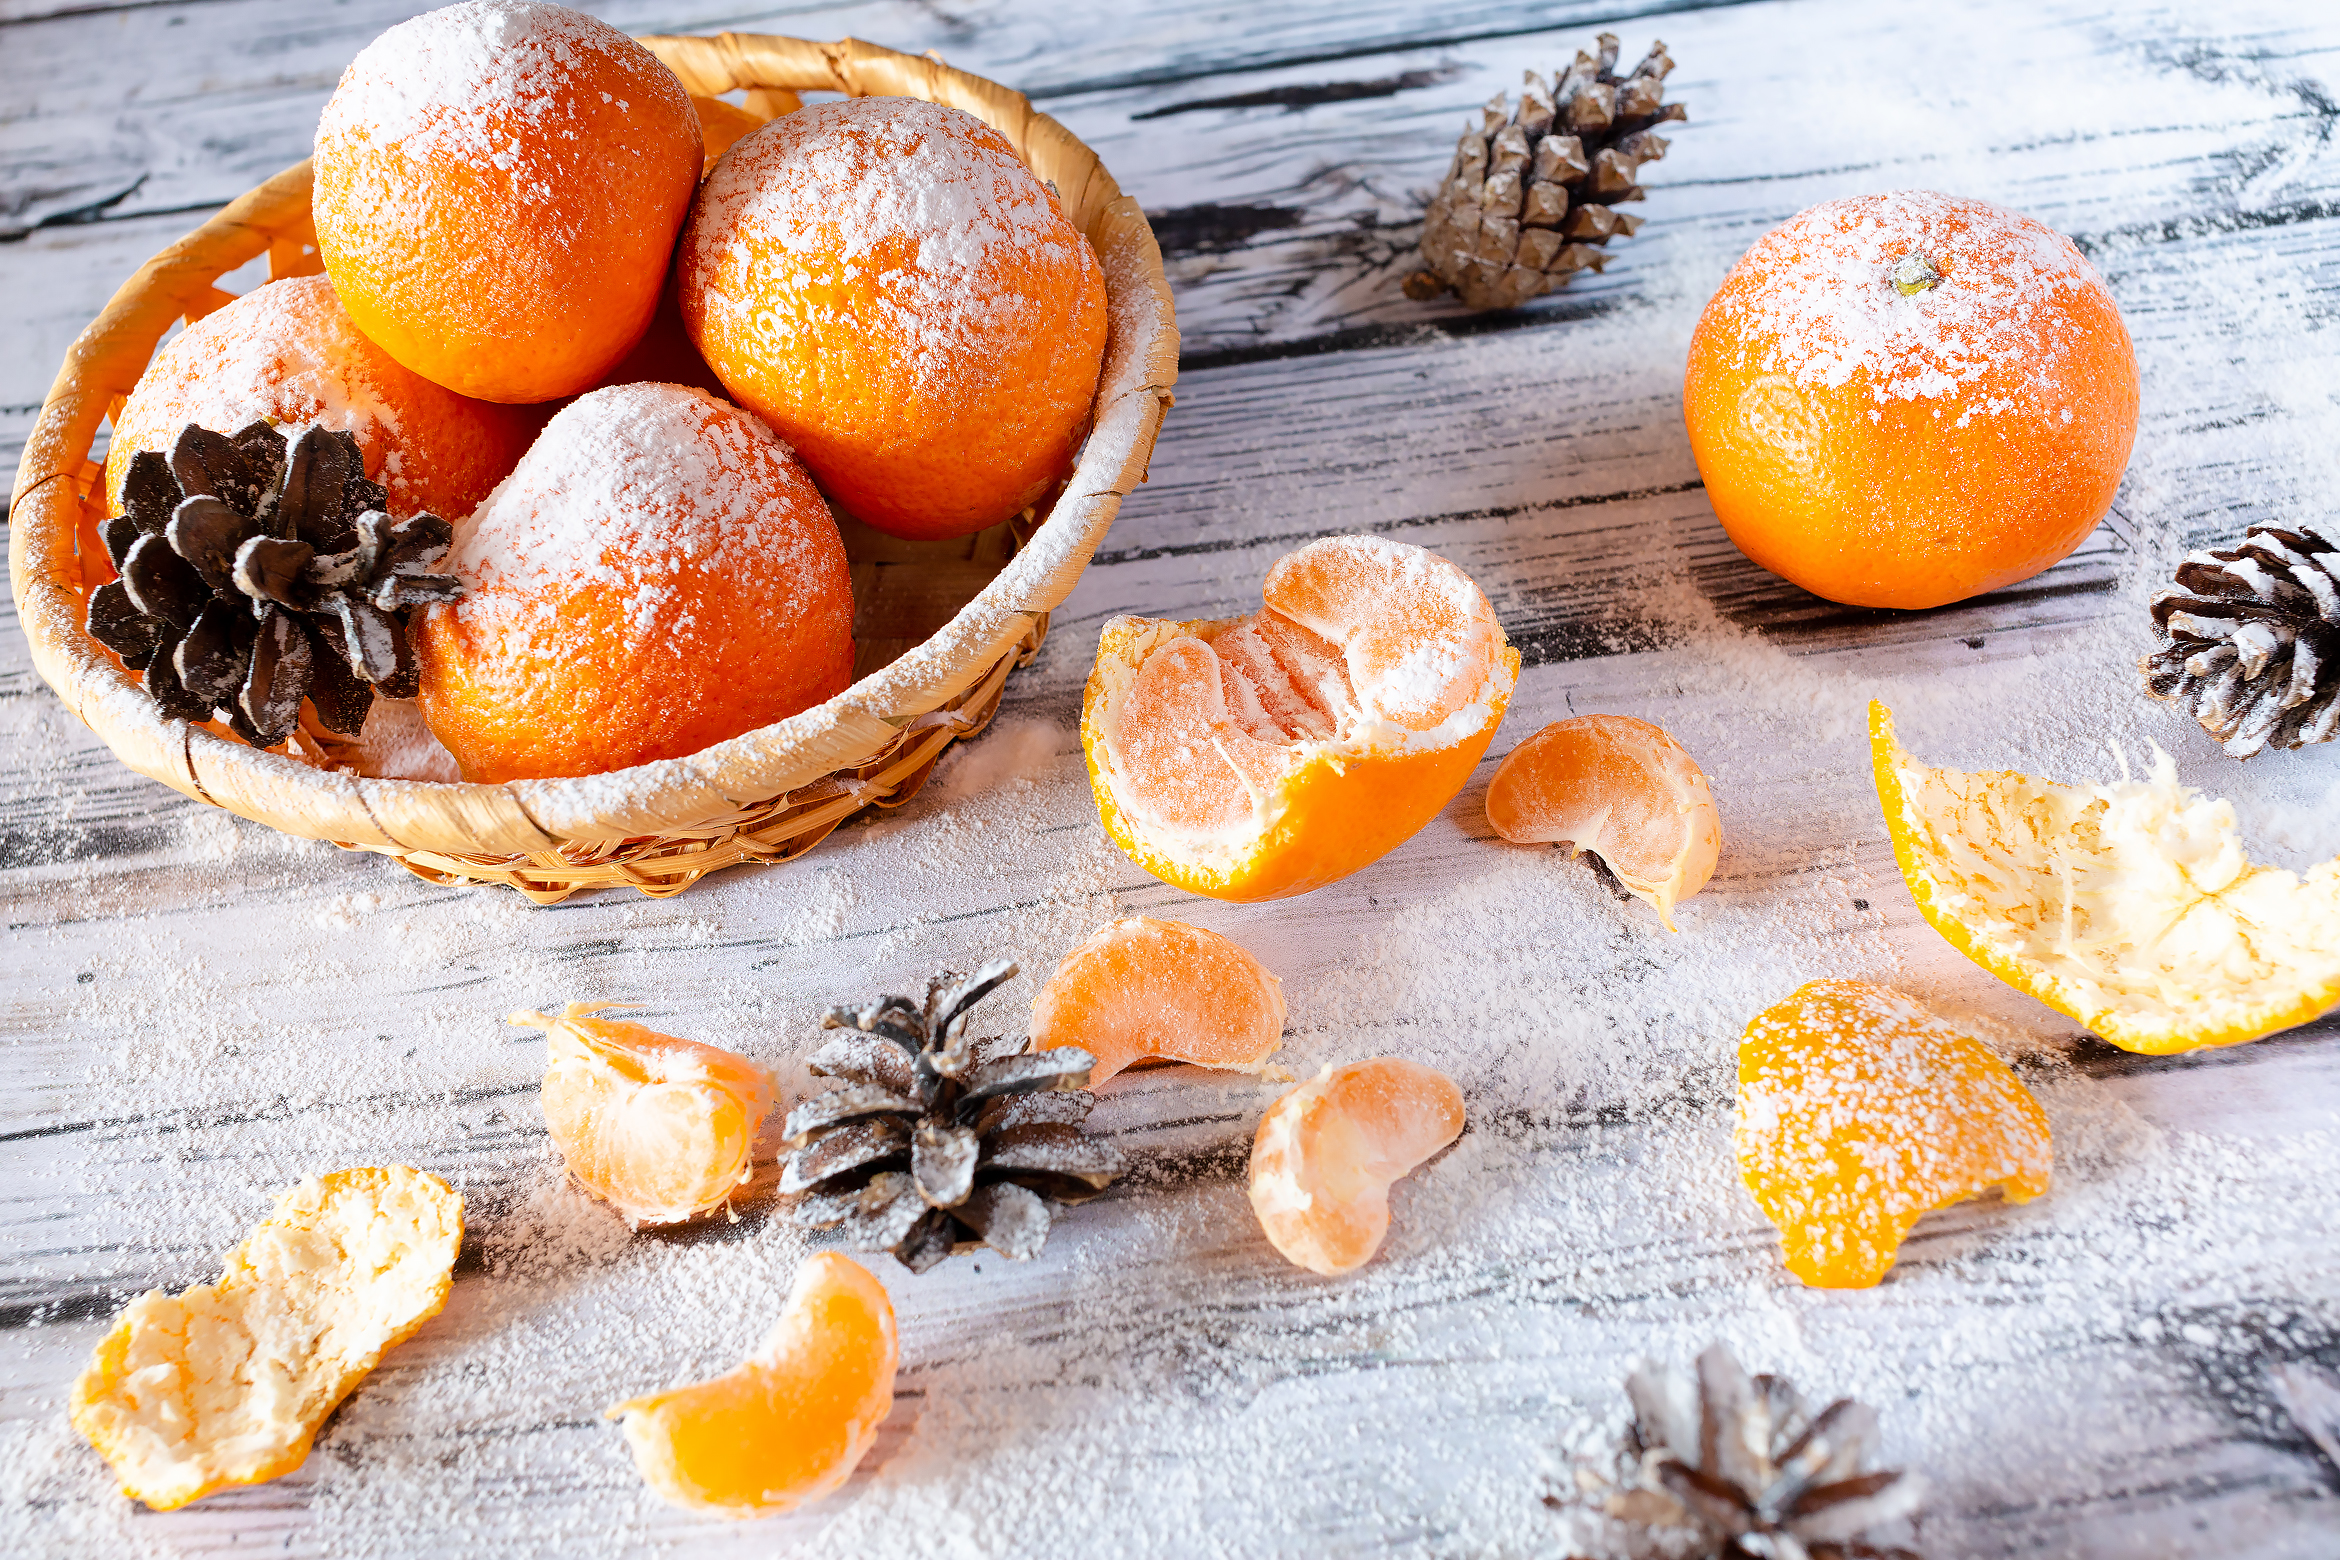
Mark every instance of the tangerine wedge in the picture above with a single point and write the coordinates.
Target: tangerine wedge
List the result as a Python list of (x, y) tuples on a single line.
[(1620, 788), (2128, 907), (1859, 1111), (1144, 989), (660, 1129), (1251, 758), (786, 1427), (1327, 1154)]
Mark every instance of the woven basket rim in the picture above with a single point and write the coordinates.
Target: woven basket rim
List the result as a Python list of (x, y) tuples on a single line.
[(50, 517)]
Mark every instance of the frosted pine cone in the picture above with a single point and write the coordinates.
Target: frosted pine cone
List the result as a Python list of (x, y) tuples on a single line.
[(2251, 641)]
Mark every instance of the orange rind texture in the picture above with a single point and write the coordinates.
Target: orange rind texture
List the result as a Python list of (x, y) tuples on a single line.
[(2128, 907), (660, 1129), (1620, 788), (1859, 1111), (1258, 757), (226, 1383), (1327, 1153), (1144, 989), (788, 1426)]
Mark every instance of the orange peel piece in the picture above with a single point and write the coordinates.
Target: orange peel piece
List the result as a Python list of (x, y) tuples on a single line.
[(1620, 788), (660, 1129), (1859, 1111), (226, 1383), (1150, 990), (788, 1426), (1327, 1153), (2129, 907)]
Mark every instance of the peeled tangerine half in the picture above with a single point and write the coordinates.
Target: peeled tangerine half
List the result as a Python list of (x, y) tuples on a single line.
[(660, 1129), (2129, 907), (1328, 1152), (1859, 1111), (1143, 989), (1620, 788), (226, 1383), (1256, 757), (788, 1426)]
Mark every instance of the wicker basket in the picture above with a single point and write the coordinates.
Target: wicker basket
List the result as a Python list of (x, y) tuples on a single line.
[(947, 621)]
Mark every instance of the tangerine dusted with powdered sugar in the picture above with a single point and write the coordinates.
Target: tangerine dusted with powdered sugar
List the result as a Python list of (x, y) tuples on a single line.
[(885, 283), (1905, 400), (657, 575), (498, 189)]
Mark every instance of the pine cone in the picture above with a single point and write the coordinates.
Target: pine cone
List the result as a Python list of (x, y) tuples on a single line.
[(251, 577), (2251, 641), (1533, 192), (938, 1143)]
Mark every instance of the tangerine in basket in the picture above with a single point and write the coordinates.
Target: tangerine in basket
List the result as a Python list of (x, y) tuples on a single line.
[(885, 283), (1151, 990), (498, 189), (786, 1427), (1326, 1155), (657, 575), (1859, 1111), (1250, 758), (290, 353), (1620, 788), (1905, 400)]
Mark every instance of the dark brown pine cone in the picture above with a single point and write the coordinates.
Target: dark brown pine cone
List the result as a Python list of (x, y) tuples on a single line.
[(2251, 641)]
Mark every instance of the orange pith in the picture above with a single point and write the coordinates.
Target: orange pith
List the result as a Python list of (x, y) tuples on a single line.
[(1620, 788), (1258, 757), (886, 284), (1906, 449), (1327, 1153), (498, 188), (788, 1426), (658, 1128), (1859, 1111), (1145, 989)]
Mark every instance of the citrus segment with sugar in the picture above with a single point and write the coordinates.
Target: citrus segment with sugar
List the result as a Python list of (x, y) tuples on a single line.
[(660, 1129), (908, 304), (788, 1426), (1859, 1111), (498, 188), (226, 1383), (1620, 788), (1251, 758), (2129, 907), (1327, 1153), (1145, 989)]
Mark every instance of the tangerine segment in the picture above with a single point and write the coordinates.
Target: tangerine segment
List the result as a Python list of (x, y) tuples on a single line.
[(1257, 757), (1620, 788), (1143, 989), (226, 1383), (660, 1129), (788, 1426), (1327, 1153), (2129, 907), (1859, 1111)]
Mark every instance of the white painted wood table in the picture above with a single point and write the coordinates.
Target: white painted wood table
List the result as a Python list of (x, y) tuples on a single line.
[(198, 1012)]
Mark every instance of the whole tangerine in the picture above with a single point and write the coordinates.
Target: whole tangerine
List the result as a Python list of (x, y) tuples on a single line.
[(498, 189), (1905, 400), (884, 282), (657, 575), (290, 353)]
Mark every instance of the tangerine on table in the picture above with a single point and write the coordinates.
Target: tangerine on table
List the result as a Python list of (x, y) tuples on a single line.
[(885, 283), (1251, 758), (657, 575), (1904, 400), (1859, 1111), (1326, 1155), (498, 189), (1145, 989), (786, 1427), (289, 352)]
